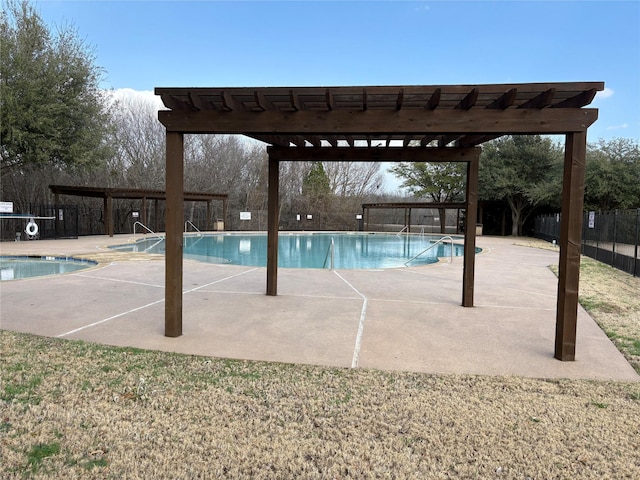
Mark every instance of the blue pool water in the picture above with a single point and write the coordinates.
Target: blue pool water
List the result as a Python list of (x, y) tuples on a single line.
[(351, 250), (17, 267)]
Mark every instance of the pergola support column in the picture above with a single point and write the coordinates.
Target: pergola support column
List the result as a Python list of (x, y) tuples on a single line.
[(174, 236), (108, 215), (570, 242), (273, 220), (468, 273), (143, 213)]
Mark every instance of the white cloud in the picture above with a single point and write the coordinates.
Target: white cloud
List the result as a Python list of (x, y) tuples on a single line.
[(143, 96), (606, 93), (617, 127)]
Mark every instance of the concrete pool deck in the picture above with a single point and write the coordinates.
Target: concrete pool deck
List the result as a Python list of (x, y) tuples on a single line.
[(406, 319)]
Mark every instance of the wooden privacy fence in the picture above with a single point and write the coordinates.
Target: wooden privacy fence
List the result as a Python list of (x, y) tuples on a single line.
[(609, 237)]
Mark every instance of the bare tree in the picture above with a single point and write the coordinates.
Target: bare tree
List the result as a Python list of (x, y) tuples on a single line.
[(354, 178)]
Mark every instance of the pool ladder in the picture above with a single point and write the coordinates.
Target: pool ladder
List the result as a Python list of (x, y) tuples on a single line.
[(186, 225), (329, 255), (146, 228), (440, 240)]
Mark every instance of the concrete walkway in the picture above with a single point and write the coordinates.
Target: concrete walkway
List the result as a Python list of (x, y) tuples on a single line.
[(399, 319)]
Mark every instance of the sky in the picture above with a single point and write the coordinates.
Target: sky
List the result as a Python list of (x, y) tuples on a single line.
[(146, 44)]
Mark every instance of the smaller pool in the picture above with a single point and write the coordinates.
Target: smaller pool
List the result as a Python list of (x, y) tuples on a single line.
[(17, 267)]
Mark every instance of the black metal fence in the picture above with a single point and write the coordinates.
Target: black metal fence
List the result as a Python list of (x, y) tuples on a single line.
[(609, 237)]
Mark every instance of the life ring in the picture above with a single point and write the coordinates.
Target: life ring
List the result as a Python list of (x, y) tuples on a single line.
[(31, 229)]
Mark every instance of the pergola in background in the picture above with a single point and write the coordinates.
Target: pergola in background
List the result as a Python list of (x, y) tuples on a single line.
[(108, 194), (408, 206), (393, 124)]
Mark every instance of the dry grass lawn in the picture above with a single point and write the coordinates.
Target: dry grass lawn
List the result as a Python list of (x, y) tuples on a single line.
[(78, 410)]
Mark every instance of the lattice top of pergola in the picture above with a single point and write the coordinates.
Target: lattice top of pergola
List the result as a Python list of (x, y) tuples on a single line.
[(421, 116)]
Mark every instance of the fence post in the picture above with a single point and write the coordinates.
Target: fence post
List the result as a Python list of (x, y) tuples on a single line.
[(635, 253), (613, 247)]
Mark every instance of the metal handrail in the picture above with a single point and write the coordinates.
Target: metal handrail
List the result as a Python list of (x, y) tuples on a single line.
[(146, 228), (330, 250), (403, 229), (440, 240), (189, 222)]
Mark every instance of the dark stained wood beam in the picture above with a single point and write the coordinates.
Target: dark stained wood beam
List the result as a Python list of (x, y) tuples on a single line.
[(427, 139), (198, 102), (540, 101), (400, 99), (273, 220), (174, 219), (293, 98), (570, 242), (299, 141), (333, 140), (468, 275), (406, 141), (374, 154), (315, 140), (577, 101), (469, 100), (329, 99), (228, 103), (472, 140), (505, 101), (447, 139), (364, 100), (434, 101), (403, 122), (272, 140), (261, 101), (350, 140), (174, 103)]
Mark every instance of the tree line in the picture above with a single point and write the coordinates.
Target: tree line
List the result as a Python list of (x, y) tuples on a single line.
[(525, 173), (57, 126)]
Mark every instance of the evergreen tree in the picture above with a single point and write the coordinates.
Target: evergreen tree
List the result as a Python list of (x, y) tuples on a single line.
[(52, 110), (523, 170), (316, 183)]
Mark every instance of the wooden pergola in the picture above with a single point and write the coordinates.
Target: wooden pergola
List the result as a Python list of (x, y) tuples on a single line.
[(392, 124), (108, 194), (408, 206)]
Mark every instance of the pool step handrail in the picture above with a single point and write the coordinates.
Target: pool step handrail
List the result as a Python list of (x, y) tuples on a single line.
[(330, 254), (189, 222), (406, 227), (440, 240), (146, 228)]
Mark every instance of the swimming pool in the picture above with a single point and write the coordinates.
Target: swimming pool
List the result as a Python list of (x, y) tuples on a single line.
[(17, 267), (309, 250)]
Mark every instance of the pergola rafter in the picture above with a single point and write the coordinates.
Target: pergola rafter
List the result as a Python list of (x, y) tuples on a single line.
[(387, 123)]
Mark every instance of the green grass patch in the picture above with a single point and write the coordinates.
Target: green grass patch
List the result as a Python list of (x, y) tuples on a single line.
[(39, 452)]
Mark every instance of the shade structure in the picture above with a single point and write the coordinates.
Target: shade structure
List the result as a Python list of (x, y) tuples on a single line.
[(108, 194), (385, 123)]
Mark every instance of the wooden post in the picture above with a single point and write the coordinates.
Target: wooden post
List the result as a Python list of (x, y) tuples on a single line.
[(366, 219), (57, 215), (468, 273), (108, 215), (224, 213), (273, 221), (143, 213), (174, 216), (570, 241), (155, 215)]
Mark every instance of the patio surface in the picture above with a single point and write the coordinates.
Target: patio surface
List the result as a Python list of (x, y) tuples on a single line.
[(406, 319)]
